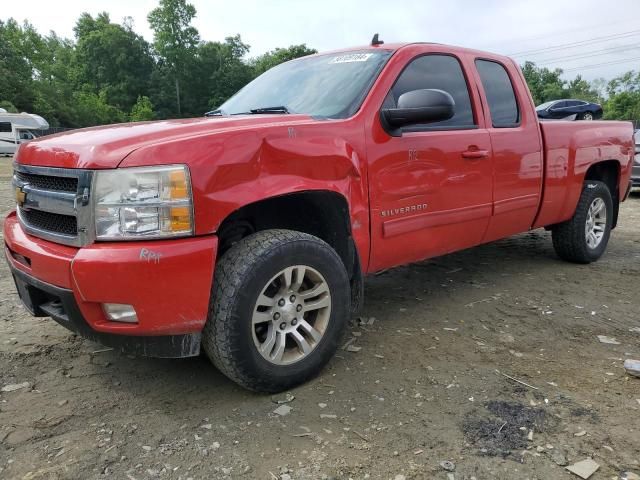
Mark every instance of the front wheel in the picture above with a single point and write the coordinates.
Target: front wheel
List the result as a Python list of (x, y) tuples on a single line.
[(279, 307), (584, 238)]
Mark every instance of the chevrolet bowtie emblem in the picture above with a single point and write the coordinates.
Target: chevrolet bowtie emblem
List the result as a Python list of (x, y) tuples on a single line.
[(21, 196)]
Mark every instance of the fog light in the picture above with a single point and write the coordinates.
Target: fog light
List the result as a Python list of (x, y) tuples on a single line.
[(120, 312)]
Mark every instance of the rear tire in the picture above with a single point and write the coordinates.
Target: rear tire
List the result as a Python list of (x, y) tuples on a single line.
[(279, 307), (587, 116), (584, 238)]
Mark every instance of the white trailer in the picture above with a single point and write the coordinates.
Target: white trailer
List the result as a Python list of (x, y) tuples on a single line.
[(16, 128)]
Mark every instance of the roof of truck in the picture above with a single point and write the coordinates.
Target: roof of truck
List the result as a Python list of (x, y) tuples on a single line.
[(392, 47)]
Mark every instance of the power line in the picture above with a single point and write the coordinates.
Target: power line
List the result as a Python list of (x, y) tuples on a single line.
[(595, 65), (560, 33), (578, 56), (576, 44)]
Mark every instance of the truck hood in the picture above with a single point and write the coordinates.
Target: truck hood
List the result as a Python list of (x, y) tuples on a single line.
[(107, 146)]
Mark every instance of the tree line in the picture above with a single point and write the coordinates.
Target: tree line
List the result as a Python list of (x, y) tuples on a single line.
[(108, 73)]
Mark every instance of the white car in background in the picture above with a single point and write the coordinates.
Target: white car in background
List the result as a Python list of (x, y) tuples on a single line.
[(16, 128)]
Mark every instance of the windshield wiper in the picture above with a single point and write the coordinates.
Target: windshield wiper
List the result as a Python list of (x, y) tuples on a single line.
[(279, 109), (214, 113)]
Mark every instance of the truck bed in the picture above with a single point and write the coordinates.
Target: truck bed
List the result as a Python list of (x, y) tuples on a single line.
[(569, 149)]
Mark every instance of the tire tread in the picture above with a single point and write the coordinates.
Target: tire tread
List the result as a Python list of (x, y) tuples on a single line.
[(234, 266), (568, 237)]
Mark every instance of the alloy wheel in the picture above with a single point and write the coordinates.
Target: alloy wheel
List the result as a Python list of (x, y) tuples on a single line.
[(596, 223), (291, 315)]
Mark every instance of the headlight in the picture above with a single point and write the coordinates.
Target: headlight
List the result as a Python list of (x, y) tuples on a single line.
[(148, 202)]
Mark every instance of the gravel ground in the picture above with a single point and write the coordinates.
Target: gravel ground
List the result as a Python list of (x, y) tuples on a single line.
[(429, 384)]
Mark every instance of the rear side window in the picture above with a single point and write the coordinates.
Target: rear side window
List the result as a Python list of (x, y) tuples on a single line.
[(500, 94), (441, 72), (5, 126)]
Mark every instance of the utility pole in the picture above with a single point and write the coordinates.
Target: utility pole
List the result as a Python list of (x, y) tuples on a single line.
[(178, 94)]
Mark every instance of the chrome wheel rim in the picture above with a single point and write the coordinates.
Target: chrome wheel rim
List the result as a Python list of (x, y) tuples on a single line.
[(291, 315), (588, 116), (596, 223)]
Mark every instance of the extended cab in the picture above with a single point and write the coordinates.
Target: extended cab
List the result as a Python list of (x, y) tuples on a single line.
[(249, 232)]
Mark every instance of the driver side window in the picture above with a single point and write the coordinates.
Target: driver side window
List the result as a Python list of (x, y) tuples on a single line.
[(442, 72)]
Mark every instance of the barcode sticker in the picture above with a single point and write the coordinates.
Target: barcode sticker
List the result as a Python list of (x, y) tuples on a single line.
[(351, 57)]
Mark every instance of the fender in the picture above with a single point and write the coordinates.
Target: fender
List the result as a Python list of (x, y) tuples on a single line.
[(233, 168)]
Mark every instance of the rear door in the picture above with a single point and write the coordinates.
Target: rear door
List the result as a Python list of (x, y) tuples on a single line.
[(517, 148), (430, 185)]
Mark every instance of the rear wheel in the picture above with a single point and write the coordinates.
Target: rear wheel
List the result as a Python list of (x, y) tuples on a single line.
[(584, 238), (280, 304), (586, 116)]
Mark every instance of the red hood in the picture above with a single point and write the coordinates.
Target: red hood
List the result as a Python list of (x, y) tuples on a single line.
[(106, 147)]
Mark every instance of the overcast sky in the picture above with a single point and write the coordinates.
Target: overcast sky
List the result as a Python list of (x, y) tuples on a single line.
[(503, 26)]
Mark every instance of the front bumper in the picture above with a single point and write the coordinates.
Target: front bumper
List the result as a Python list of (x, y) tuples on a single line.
[(168, 283)]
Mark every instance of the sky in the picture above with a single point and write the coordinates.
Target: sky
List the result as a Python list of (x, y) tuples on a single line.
[(576, 35)]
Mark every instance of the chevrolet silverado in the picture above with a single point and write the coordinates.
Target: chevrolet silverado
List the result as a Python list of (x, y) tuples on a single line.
[(249, 232)]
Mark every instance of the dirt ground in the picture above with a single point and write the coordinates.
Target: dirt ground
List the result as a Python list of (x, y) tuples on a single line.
[(429, 384)]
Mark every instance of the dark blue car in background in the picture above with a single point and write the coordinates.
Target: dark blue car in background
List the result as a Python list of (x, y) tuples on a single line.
[(579, 109)]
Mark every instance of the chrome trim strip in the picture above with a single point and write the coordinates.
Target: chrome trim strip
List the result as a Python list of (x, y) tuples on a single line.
[(63, 203), (143, 203)]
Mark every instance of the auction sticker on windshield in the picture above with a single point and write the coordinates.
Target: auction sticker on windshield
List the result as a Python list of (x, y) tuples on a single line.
[(352, 57)]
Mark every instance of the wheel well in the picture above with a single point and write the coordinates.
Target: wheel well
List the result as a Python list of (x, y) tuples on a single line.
[(607, 172), (323, 214)]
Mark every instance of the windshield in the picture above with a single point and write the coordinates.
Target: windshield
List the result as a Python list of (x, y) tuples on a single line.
[(330, 86)]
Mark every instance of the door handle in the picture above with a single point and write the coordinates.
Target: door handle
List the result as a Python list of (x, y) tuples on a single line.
[(475, 154)]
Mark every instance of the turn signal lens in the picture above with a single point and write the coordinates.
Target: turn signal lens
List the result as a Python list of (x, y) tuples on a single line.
[(178, 186), (180, 219)]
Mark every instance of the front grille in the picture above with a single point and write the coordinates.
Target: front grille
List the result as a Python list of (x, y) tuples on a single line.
[(54, 203), (50, 222), (45, 182)]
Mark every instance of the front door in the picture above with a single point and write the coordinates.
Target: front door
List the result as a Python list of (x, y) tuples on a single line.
[(430, 187)]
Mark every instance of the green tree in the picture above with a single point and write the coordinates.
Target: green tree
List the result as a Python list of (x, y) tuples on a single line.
[(232, 73), (175, 40), (16, 79), (93, 109), (275, 57), (112, 58), (142, 110), (8, 106), (546, 85), (543, 83), (624, 97), (57, 82), (583, 90)]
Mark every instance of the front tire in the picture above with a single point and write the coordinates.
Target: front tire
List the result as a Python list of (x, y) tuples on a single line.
[(584, 237), (279, 307)]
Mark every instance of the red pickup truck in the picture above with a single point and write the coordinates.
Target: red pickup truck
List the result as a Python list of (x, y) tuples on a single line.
[(249, 232)]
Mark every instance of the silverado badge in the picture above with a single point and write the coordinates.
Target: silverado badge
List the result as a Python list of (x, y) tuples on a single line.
[(21, 196)]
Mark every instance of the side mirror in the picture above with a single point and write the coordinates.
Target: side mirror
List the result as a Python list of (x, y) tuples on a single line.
[(420, 106)]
